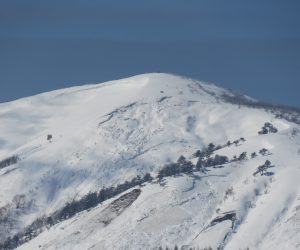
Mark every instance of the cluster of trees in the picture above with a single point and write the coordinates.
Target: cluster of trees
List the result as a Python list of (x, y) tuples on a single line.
[(267, 128), (92, 199), (205, 159), (175, 168), (241, 157), (9, 161), (291, 116), (211, 148), (207, 151), (263, 168), (264, 152), (236, 142), (204, 163)]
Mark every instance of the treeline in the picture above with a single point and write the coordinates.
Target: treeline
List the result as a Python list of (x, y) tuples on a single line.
[(205, 160), (291, 114), (181, 166), (211, 148), (9, 161), (90, 200)]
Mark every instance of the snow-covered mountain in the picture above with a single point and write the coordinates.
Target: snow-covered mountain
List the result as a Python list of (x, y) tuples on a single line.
[(59, 146)]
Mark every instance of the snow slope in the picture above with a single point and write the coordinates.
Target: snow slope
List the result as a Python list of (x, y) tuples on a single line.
[(107, 133)]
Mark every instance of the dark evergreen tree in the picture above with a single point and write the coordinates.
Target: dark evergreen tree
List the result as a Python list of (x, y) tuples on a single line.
[(209, 162), (211, 148), (49, 137), (197, 154), (253, 155), (49, 221), (263, 151), (184, 166), (219, 160), (181, 166), (200, 165), (242, 157), (268, 164), (263, 168), (136, 181), (168, 170), (147, 178), (89, 201)]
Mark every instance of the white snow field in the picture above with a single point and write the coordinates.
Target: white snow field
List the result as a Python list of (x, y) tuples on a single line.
[(106, 134)]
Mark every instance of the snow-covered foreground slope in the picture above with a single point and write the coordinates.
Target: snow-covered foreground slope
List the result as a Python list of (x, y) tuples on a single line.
[(109, 133)]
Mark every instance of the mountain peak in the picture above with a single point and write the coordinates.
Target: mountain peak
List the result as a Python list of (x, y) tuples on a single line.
[(66, 145)]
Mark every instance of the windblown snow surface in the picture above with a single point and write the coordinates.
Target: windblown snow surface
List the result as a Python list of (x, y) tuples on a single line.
[(105, 134)]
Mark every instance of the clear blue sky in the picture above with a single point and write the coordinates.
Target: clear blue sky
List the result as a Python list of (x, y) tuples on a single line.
[(250, 46)]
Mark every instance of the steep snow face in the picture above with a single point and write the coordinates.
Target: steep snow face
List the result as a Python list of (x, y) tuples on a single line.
[(105, 134)]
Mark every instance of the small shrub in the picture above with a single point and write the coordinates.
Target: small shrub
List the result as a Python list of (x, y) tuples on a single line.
[(49, 137), (253, 155), (229, 192), (256, 192)]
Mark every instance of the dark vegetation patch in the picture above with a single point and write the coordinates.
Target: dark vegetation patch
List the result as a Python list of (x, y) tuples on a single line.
[(9, 161), (267, 129), (263, 169), (291, 114), (92, 199)]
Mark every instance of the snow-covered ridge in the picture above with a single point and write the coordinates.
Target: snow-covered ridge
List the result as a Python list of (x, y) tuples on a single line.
[(105, 134)]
